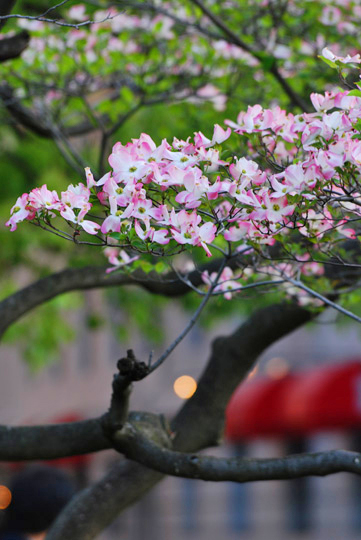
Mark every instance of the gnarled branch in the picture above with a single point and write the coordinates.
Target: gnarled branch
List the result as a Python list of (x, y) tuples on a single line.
[(198, 424), (91, 277), (51, 441), (134, 445)]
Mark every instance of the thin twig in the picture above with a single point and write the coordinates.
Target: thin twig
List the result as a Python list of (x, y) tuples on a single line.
[(124, 118), (58, 22), (323, 299), (66, 149), (191, 323), (245, 287), (52, 8)]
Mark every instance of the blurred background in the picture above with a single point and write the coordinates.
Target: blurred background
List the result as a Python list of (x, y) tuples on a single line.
[(290, 403), (57, 363)]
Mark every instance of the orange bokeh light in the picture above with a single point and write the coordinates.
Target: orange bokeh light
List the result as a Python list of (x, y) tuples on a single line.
[(5, 497), (185, 386)]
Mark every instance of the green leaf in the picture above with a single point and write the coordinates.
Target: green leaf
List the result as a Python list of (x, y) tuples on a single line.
[(115, 235), (328, 62), (356, 93), (160, 267)]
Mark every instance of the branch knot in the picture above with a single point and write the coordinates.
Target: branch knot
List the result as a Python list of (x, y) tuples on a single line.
[(131, 369)]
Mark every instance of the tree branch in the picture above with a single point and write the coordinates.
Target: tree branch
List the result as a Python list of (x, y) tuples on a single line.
[(192, 321), (91, 277), (134, 445), (51, 441), (43, 18), (297, 283), (198, 424), (22, 114), (33, 121), (12, 47), (129, 370), (172, 284), (27, 118), (232, 357)]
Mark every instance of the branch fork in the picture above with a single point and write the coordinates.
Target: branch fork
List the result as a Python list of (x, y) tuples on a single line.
[(129, 370)]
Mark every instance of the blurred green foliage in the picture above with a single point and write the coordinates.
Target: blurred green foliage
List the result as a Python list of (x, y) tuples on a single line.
[(28, 161)]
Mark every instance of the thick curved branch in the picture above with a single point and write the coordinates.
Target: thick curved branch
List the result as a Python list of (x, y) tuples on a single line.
[(27, 118), (94, 508), (51, 441), (172, 284), (91, 277), (198, 424), (231, 359), (13, 47), (134, 445), (35, 122)]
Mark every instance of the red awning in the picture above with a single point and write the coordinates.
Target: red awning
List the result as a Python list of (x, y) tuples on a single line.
[(257, 408), (322, 399), (327, 398)]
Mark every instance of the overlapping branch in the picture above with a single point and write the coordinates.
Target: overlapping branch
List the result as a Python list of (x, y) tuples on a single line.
[(91, 277), (134, 445), (172, 284), (198, 424)]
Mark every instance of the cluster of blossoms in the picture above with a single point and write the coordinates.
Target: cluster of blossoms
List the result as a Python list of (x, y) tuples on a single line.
[(304, 179), (134, 194), (129, 48)]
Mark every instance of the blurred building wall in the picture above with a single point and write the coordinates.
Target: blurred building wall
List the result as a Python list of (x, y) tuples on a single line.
[(80, 383)]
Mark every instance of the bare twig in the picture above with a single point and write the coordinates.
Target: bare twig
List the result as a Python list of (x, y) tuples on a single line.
[(191, 322), (42, 18), (323, 299), (267, 283)]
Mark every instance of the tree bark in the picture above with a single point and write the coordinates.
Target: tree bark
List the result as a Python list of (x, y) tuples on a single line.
[(134, 445), (91, 277), (198, 424), (13, 47)]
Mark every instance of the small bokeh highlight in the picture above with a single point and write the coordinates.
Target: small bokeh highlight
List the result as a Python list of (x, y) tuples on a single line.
[(5, 497), (185, 386)]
